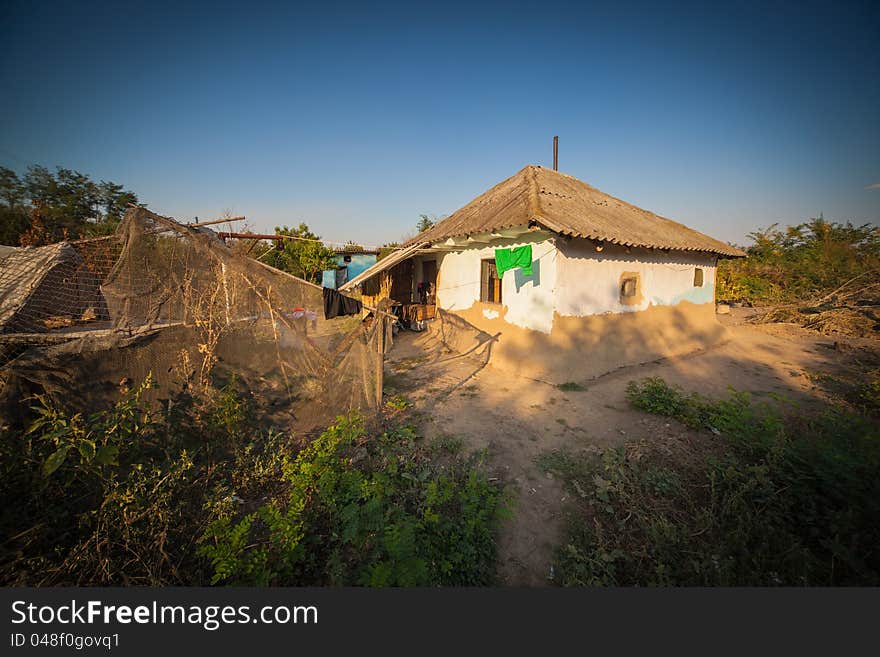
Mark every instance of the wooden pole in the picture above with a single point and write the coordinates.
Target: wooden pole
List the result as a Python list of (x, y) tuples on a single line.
[(556, 153), (214, 221), (380, 365), (225, 290)]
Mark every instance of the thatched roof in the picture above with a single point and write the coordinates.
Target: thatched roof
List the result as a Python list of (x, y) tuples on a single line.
[(568, 206)]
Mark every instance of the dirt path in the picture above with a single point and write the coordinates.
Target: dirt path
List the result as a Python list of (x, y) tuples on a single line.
[(518, 419)]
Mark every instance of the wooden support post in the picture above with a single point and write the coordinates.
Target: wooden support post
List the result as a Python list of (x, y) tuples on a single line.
[(225, 290), (380, 365)]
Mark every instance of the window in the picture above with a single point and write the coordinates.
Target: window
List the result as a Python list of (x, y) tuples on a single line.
[(490, 283), (630, 289), (698, 277)]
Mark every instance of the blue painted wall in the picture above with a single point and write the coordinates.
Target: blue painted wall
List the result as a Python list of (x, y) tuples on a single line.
[(359, 262)]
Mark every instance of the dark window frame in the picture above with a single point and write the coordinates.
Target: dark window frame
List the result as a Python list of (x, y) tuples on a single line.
[(490, 282), (630, 288), (699, 277)]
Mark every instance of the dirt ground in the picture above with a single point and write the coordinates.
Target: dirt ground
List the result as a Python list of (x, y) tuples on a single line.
[(517, 419)]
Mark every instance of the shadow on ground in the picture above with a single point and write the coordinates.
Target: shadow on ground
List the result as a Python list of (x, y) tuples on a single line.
[(517, 419)]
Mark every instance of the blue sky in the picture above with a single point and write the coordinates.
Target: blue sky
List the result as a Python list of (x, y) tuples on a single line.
[(356, 118)]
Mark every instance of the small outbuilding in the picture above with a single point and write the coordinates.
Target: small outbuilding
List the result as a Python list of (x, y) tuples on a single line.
[(556, 279), (46, 287), (349, 263)]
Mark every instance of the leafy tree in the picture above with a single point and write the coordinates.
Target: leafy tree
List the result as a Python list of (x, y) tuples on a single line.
[(68, 205), (352, 246), (306, 256), (114, 200), (13, 212), (12, 189), (425, 222)]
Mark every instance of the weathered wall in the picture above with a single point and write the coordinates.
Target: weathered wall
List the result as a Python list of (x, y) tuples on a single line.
[(528, 301), (581, 348), (567, 322), (589, 281), (572, 279), (358, 263)]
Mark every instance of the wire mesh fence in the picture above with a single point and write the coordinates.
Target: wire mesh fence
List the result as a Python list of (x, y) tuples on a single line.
[(80, 320)]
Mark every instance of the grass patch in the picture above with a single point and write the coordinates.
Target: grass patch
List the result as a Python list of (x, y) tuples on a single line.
[(398, 403), (571, 386), (762, 499), (448, 444)]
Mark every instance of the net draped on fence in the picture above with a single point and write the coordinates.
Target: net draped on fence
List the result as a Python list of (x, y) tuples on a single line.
[(80, 320)]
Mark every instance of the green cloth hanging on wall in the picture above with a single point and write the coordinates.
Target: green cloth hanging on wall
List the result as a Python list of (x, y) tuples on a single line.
[(506, 259)]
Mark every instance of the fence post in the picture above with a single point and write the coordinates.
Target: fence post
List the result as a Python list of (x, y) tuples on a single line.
[(380, 364), (225, 290)]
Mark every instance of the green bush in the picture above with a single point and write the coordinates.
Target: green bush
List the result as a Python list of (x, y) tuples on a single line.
[(802, 262), (124, 495), (364, 511), (117, 496), (761, 499)]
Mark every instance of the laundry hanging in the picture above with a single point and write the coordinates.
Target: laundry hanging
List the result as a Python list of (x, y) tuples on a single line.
[(520, 257), (336, 304)]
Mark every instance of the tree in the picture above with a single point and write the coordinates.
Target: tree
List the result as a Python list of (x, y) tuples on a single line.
[(352, 246), (114, 200), (13, 213), (68, 205), (305, 256), (12, 189), (425, 222)]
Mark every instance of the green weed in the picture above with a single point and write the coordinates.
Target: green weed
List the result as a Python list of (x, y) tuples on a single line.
[(769, 500), (362, 511)]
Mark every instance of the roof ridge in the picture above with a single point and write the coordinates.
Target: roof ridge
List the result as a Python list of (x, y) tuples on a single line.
[(534, 204), (569, 206)]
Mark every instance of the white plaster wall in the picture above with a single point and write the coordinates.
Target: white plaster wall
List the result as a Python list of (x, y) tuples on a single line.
[(588, 282), (573, 280), (529, 301)]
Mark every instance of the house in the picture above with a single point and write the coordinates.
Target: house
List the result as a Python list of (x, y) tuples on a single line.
[(597, 283), (349, 263)]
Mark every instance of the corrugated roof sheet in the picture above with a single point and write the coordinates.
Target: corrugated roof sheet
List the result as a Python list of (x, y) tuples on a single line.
[(568, 206)]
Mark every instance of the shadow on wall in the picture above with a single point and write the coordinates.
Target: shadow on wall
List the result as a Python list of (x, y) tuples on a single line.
[(521, 279), (581, 348)]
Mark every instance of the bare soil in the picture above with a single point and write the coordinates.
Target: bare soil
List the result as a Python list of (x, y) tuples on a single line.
[(517, 419)]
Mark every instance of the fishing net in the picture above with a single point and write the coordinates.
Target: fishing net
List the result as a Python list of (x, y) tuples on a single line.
[(79, 321)]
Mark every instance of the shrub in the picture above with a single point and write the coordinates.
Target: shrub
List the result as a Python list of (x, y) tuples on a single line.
[(124, 496), (802, 262), (364, 511), (765, 499)]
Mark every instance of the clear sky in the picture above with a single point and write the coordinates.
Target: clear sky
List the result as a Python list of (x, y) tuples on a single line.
[(356, 118)]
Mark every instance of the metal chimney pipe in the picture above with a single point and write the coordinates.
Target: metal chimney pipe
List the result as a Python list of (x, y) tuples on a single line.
[(556, 153)]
